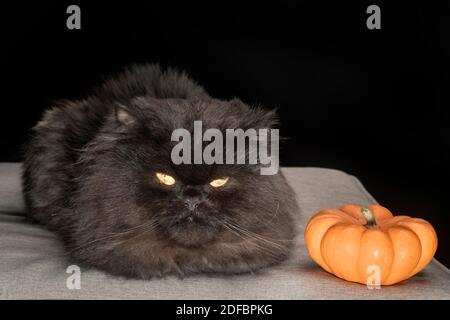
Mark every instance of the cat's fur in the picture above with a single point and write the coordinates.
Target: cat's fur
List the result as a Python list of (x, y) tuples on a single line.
[(89, 174)]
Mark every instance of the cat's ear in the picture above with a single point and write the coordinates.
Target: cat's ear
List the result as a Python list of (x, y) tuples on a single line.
[(255, 117), (123, 115)]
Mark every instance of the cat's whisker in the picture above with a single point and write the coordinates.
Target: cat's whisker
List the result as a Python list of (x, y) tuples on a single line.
[(265, 250), (123, 241), (149, 224), (256, 241), (133, 228), (240, 229), (271, 244), (258, 236), (277, 210)]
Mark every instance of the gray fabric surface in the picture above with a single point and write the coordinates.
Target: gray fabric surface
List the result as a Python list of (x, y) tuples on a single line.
[(32, 263)]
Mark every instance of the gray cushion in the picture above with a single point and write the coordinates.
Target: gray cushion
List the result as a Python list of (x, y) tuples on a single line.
[(33, 264)]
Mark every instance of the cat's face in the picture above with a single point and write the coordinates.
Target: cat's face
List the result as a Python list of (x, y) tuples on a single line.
[(191, 204)]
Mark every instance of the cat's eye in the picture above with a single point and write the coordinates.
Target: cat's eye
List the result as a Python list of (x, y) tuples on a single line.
[(219, 182), (165, 179)]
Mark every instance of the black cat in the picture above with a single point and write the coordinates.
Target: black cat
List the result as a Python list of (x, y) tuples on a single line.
[(99, 172)]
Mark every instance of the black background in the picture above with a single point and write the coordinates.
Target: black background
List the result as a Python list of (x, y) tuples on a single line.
[(374, 103)]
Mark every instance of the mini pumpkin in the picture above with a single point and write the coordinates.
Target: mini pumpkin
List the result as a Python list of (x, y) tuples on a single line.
[(349, 241)]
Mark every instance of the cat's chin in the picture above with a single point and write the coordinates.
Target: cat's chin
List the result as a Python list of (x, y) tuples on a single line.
[(193, 234)]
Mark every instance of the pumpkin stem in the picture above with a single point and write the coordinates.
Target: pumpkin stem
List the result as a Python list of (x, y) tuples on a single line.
[(370, 218)]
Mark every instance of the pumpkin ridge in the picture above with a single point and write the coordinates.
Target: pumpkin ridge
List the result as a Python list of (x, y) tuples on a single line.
[(320, 216), (420, 221), (389, 254), (424, 223), (410, 273), (388, 222), (345, 273), (393, 253), (324, 255), (355, 271), (309, 236), (391, 267)]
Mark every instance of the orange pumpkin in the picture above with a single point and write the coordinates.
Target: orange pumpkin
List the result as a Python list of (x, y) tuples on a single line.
[(349, 241)]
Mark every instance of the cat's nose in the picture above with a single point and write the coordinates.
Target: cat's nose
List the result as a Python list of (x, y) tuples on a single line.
[(192, 203), (192, 197)]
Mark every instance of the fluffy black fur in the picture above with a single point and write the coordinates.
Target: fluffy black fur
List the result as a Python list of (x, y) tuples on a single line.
[(89, 174)]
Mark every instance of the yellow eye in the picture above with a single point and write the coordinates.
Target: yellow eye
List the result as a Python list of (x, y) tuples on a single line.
[(165, 179), (219, 182)]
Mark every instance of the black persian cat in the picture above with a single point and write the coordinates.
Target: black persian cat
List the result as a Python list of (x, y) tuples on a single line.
[(99, 172)]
